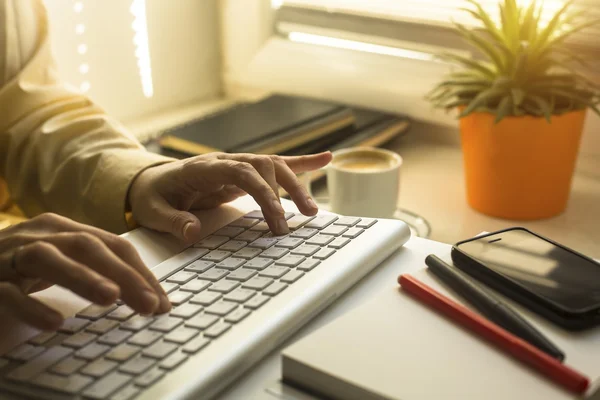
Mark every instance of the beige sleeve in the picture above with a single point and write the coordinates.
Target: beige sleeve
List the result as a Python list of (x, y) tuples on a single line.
[(59, 152)]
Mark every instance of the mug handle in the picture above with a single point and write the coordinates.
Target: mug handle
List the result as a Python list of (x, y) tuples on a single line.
[(322, 202)]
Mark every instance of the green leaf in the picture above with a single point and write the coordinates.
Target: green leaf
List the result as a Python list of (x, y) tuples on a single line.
[(485, 46), (467, 62), (487, 21), (547, 32), (569, 32), (518, 95), (482, 99), (543, 105), (529, 23), (504, 109)]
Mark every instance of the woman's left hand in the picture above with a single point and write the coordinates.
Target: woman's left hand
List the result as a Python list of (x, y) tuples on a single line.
[(162, 196)]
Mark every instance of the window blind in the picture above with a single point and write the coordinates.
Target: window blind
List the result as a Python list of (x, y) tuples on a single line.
[(441, 13)]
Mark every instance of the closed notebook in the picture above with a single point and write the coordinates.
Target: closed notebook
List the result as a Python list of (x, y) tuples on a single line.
[(273, 125), (394, 347)]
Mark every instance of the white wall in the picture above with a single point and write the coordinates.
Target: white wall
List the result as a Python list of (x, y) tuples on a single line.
[(184, 47)]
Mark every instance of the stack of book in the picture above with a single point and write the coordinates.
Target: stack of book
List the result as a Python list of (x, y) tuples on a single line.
[(283, 125)]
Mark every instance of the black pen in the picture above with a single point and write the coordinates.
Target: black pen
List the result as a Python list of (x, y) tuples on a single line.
[(492, 307)]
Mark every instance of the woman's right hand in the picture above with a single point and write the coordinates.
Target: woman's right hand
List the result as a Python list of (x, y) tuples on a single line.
[(97, 265)]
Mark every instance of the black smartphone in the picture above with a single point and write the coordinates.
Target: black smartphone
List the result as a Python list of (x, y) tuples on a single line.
[(550, 279)]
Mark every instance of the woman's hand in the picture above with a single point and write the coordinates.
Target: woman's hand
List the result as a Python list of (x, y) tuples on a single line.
[(162, 196), (90, 262)]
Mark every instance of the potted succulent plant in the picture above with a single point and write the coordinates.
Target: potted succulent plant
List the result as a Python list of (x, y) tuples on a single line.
[(522, 108)]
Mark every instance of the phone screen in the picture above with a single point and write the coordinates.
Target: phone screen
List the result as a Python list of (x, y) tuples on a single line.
[(541, 267)]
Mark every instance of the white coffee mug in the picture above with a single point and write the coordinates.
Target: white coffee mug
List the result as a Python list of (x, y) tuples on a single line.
[(363, 189)]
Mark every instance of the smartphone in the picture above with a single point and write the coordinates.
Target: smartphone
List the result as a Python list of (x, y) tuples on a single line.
[(552, 280)]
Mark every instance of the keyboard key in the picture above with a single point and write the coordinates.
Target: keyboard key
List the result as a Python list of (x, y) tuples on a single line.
[(200, 266), (115, 337), (242, 274), (102, 326), (181, 335), (122, 313), (292, 276), (179, 297), (298, 220), (271, 235), (165, 323), (274, 252), (99, 368), (173, 361), (217, 330), (347, 221), (214, 274), (187, 310), (353, 232), (159, 350), (182, 277), (233, 245), (338, 243), (221, 308), (229, 231), (263, 243), (178, 261), (304, 233), (104, 387), (41, 338), (255, 214), (145, 338), (217, 255), (67, 384), (212, 242), (231, 263), (149, 377), (260, 227), (137, 323), (72, 325), (122, 352), (95, 311), (274, 271), (244, 222), (237, 315), (240, 295), (201, 321), (320, 240), (224, 286), (25, 352), (324, 253), (68, 366), (205, 298), (79, 339), (194, 345), (195, 286), (256, 302), (366, 223), (92, 351), (321, 221), (137, 365), (306, 250), (274, 289), (290, 242), (127, 393), (290, 260), (334, 230), (247, 253), (257, 283), (39, 364), (258, 263), (248, 236)]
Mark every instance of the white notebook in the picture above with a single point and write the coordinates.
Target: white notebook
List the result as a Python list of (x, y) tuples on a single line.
[(394, 347)]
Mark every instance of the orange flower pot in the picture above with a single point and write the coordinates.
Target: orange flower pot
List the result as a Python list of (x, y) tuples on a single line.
[(520, 168)]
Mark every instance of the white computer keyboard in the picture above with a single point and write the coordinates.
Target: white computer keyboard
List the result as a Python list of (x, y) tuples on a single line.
[(111, 352)]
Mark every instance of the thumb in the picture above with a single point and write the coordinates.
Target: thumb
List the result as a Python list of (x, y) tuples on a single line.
[(181, 224)]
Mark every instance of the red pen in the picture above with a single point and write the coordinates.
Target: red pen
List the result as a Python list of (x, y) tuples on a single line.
[(515, 346)]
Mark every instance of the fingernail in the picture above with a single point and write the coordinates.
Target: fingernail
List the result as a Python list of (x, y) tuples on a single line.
[(108, 291), (282, 226), (311, 203), (150, 300), (277, 207), (185, 229)]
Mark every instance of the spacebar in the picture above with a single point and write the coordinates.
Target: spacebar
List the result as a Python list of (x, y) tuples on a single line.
[(10, 391), (178, 261)]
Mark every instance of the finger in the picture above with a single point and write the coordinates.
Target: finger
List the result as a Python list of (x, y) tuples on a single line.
[(120, 246), (92, 252), (28, 309), (289, 181), (263, 165), (42, 260), (299, 164), (226, 195), (247, 178)]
